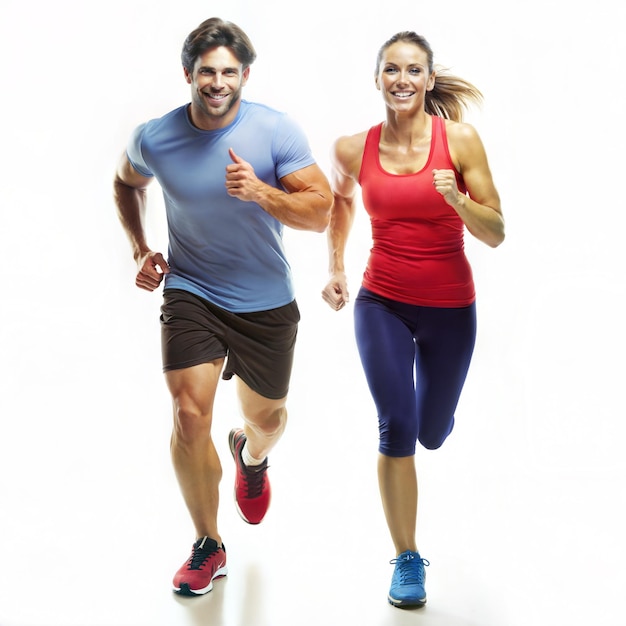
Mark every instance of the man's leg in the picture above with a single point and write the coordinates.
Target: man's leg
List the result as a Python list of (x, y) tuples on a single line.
[(199, 471), (264, 420), (194, 457), (264, 423)]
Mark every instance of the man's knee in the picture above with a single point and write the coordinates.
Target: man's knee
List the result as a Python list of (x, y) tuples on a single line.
[(190, 422), (266, 420)]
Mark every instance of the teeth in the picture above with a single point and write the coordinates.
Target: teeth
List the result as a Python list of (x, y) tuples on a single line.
[(403, 94)]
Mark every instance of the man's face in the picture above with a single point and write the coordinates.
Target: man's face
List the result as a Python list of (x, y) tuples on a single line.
[(216, 84)]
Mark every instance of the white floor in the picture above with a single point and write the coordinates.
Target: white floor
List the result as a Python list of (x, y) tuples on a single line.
[(521, 512), (93, 527)]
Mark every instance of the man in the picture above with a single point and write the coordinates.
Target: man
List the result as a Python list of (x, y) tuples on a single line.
[(233, 174)]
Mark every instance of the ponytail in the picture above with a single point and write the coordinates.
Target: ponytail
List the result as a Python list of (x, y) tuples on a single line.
[(450, 96)]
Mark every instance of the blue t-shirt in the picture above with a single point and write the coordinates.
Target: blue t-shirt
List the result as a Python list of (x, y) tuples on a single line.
[(221, 248)]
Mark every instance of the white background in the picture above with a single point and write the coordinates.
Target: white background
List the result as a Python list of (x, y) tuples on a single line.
[(521, 512)]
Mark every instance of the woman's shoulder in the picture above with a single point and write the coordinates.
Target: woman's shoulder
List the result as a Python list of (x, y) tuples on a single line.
[(348, 150), (465, 145), (460, 131), (351, 142)]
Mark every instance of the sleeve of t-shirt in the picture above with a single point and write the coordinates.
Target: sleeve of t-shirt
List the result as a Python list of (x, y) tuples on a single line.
[(134, 154), (291, 148)]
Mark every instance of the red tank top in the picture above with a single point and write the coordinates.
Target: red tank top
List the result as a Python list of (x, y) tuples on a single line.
[(418, 254)]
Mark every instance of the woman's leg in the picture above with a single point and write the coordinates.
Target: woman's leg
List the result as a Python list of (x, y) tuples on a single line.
[(445, 343), (387, 350), (397, 481)]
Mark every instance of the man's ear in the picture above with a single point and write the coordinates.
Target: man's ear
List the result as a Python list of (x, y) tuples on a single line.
[(245, 75)]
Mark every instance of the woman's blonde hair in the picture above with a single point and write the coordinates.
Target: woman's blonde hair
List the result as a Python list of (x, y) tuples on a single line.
[(451, 95)]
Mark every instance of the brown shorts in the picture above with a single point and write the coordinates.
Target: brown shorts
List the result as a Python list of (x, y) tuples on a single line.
[(259, 346)]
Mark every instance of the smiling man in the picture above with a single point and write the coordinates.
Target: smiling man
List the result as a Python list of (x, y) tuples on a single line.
[(233, 174)]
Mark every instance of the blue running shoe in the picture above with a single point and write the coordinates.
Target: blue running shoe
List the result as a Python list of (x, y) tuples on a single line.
[(407, 583)]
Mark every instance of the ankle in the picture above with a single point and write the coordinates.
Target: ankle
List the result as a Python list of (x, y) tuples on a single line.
[(248, 459)]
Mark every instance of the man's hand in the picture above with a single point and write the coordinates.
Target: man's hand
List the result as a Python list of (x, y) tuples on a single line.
[(152, 269), (241, 181)]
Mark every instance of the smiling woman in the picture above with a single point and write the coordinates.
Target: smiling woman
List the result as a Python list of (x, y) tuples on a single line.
[(424, 179), (445, 95)]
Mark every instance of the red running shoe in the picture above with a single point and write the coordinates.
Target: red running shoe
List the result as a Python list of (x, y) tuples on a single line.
[(252, 486), (206, 563)]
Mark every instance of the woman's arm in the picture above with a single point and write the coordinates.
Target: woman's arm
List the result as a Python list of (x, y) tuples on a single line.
[(480, 208), (345, 161)]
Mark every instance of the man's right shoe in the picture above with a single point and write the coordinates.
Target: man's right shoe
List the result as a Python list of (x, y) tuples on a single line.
[(407, 583), (206, 563), (252, 486)]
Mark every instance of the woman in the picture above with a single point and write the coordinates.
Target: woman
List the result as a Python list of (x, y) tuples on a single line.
[(424, 178)]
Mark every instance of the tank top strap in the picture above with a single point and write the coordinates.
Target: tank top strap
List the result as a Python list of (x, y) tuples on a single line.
[(440, 150), (438, 138)]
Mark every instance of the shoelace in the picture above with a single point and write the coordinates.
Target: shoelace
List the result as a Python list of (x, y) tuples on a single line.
[(410, 569), (255, 479), (200, 555)]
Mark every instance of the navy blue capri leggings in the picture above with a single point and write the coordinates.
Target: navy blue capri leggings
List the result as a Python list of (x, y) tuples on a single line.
[(415, 360)]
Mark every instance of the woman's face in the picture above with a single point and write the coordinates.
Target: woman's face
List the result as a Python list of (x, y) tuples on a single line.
[(403, 77)]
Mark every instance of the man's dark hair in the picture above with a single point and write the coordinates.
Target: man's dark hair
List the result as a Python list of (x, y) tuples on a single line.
[(216, 32)]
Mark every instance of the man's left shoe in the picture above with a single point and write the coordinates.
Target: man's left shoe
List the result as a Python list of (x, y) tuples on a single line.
[(407, 583), (206, 563), (252, 485)]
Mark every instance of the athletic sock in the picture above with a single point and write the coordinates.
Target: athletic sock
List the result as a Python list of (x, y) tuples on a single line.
[(248, 459)]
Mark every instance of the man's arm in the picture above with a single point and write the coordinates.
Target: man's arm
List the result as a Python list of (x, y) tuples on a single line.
[(305, 205), (129, 193)]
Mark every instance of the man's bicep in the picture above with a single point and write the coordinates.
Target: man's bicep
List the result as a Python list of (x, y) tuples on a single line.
[(310, 178)]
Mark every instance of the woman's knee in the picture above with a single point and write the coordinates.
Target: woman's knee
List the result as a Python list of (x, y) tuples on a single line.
[(397, 437), (432, 444), (433, 438)]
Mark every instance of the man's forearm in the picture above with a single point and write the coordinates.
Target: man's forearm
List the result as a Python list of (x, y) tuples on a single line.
[(303, 210), (131, 210)]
